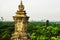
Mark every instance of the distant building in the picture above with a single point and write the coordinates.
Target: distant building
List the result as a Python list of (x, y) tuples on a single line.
[(47, 22)]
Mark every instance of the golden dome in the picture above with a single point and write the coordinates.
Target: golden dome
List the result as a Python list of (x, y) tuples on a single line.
[(21, 7)]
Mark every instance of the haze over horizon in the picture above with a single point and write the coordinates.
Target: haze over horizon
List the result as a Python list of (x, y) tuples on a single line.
[(35, 9)]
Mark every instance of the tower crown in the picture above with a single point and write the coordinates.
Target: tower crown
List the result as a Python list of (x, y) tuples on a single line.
[(21, 6)]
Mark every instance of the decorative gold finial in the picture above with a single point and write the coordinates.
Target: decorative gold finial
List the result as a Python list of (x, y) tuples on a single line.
[(21, 6), (21, 2)]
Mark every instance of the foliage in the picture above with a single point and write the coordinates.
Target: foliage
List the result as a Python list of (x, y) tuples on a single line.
[(37, 30)]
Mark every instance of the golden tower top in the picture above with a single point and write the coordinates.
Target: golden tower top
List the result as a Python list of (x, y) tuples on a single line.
[(21, 6), (21, 23)]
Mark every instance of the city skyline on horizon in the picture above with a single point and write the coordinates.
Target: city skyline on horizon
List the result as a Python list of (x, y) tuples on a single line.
[(37, 10)]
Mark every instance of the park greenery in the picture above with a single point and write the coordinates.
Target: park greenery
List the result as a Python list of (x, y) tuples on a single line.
[(38, 30)]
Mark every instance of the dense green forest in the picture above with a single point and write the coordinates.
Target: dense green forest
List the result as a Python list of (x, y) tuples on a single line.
[(38, 30)]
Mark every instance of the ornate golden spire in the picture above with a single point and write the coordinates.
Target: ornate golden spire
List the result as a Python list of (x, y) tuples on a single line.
[(21, 2), (21, 6)]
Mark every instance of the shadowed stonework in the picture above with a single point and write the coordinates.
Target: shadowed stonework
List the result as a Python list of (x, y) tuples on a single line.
[(21, 20)]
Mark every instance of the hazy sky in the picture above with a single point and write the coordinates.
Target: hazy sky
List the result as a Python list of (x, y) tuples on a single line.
[(36, 9)]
